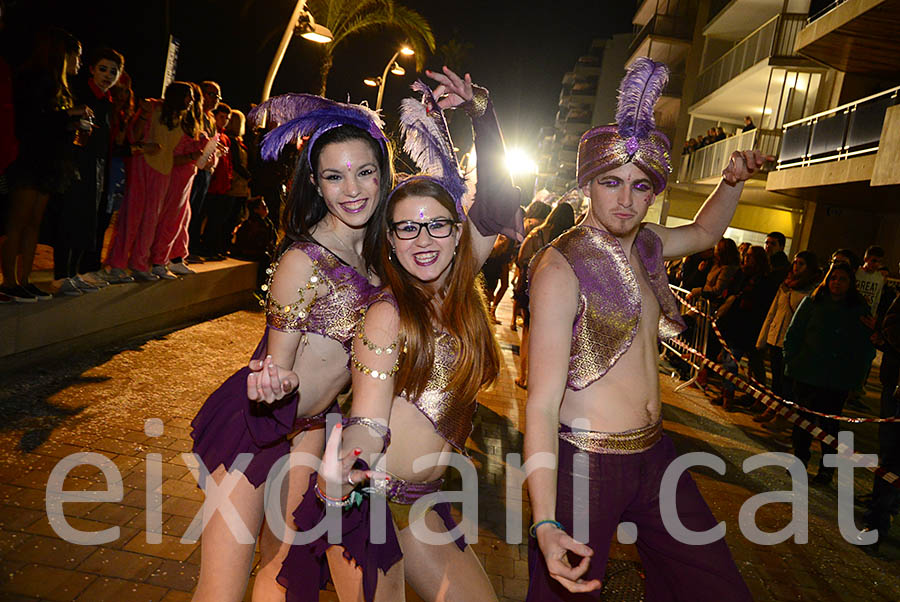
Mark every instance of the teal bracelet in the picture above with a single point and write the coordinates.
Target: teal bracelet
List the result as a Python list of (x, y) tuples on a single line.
[(533, 530)]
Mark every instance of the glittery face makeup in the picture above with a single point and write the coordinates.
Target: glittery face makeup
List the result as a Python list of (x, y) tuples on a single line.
[(620, 199), (425, 257), (347, 179)]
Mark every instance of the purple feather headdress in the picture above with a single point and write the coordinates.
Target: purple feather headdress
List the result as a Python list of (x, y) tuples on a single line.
[(634, 138), (301, 115), (426, 139)]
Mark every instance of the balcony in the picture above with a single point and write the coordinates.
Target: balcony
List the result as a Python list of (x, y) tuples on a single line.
[(663, 38), (736, 19), (708, 162), (841, 133), (773, 41), (856, 36)]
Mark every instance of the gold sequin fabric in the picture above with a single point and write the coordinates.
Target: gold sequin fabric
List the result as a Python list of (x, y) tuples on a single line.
[(451, 417), (626, 442), (329, 303), (609, 298)]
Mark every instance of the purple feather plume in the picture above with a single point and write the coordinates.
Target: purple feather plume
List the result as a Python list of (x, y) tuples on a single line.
[(427, 141), (304, 114), (640, 89)]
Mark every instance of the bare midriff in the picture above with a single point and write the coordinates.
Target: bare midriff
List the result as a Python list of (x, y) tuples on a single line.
[(627, 396)]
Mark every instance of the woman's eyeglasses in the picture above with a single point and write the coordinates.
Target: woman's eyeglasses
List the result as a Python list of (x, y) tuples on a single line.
[(438, 228)]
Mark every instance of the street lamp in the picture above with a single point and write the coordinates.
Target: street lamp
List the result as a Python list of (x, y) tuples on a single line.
[(394, 67), (301, 23)]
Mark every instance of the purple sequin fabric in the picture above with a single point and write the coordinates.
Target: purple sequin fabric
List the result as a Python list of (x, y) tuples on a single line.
[(332, 306), (610, 299)]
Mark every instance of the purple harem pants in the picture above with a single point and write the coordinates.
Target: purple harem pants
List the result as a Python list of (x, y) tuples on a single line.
[(626, 487)]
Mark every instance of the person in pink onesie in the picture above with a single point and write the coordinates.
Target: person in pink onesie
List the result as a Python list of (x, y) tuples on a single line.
[(171, 241), (148, 182)]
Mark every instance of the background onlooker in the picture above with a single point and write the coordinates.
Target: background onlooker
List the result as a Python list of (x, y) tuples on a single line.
[(827, 352), (799, 284), (255, 239), (45, 119), (869, 280), (740, 317), (212, 94), (560, 219), (76, 214), (536, 212), (219, 206)]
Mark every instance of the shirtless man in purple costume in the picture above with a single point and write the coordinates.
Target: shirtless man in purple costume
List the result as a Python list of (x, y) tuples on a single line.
[(599, 303)]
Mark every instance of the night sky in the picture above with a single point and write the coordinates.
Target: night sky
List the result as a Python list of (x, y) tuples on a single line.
[(517, 52)]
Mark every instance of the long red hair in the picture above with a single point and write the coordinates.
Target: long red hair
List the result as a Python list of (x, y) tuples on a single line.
[(462, 312)]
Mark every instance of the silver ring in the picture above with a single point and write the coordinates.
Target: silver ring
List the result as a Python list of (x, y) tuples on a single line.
[(350, 480)]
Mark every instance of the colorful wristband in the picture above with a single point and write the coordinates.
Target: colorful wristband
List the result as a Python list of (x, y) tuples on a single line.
[(533, 530)]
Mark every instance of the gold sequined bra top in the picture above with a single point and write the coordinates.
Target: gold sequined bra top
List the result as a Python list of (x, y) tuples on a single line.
[(610, 299), (451, 417), (329, 303)]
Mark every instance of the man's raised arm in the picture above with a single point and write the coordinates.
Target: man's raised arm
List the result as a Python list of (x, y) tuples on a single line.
[(714, 216)]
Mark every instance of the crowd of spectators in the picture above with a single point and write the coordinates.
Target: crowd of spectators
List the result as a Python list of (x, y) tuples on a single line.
[(818, 327), (714, 135), (171, 181)]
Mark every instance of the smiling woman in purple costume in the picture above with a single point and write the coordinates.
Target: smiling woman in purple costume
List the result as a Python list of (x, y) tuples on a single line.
[(421, 354), (317, 288)]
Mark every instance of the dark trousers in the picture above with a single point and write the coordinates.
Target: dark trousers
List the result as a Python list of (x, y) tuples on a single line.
[(885, 497), (91, 260), (626, 487), (221, 216), (66, 261), (821, 399), (776, 361), (197, 200)]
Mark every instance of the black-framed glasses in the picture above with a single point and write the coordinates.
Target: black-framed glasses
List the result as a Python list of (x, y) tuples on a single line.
[(437, 228)]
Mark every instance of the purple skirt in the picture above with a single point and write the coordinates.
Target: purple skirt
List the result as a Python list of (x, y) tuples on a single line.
[(230, 423), (307, 566)]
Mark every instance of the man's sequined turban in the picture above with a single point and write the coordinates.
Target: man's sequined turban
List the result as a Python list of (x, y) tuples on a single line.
[(634, 137)]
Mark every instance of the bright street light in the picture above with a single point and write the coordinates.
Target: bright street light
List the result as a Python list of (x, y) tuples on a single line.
[(393, 67), (518, 162), (372, 81), (302, 23)]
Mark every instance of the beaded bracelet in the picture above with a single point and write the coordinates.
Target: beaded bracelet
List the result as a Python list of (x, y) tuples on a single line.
[(547, 521), (351, 499)]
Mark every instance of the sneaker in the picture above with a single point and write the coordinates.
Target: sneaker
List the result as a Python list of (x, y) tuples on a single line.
[(69, 288), (216, 257), (118, 276), (84, 285), (161, 272), (180, 269), (19, 294), (94, 280), (41, 294), (193, 259), (141, 276), (99, 276)]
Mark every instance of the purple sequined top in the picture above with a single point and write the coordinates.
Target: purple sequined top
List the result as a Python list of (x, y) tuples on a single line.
[(329, 303), (609, 309)]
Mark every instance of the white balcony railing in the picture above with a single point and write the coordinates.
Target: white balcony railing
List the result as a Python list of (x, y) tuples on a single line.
[(709, 161), (774, 38)]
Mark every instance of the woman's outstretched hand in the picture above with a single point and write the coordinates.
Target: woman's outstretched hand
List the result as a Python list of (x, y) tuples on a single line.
[(336, 471), (269, 382), (451, 91)]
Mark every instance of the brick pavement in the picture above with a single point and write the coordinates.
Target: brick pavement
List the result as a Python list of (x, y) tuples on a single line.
[(99, 402)]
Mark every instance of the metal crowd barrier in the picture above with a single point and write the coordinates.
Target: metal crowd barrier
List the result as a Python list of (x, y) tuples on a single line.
[(696, 336)]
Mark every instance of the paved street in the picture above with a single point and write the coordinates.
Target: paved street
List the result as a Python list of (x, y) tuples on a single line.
[(99, 403)]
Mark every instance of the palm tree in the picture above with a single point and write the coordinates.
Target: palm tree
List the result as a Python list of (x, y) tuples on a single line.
[(348, 17)]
